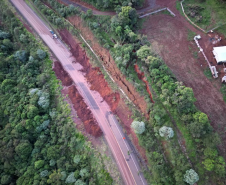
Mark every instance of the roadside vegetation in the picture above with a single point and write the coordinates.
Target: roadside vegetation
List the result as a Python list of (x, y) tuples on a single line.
[(110, 4), (173, 111), (39, 142)]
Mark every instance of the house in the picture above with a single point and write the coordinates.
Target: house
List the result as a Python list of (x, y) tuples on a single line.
[(220, 54)]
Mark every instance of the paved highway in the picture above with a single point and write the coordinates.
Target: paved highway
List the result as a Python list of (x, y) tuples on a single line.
[(126, 160)]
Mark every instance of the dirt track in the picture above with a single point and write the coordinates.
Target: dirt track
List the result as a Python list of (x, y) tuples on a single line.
[(169, 38)]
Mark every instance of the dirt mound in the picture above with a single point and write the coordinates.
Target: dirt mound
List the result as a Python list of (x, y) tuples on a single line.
[(79, 105), (83, 112), (62, 74)]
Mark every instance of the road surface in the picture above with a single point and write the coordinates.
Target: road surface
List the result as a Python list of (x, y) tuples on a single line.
[(126, 160)]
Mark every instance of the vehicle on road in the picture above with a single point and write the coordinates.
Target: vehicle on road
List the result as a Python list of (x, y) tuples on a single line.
[(54, 35)]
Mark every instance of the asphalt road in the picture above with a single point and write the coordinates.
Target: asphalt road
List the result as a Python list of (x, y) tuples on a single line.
[(121, 150)]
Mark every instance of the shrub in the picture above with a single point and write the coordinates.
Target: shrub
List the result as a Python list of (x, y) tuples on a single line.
[(138, 127), (41, 54), (191, 177), (166, 132)]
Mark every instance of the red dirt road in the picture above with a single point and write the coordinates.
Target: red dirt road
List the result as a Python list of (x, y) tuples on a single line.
[(127, 163)]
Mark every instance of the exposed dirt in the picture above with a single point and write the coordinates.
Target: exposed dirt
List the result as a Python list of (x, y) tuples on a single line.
[(96, 79), (79, 105), (142, 77), (83, 112), (110, 65), (62, 74), (169, 38)]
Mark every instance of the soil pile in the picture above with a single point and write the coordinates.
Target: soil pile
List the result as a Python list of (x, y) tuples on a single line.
[(62, 74), (83, 112), (79, 105), (93, 75)]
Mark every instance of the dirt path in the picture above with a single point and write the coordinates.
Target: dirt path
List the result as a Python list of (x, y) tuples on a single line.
[(169, 38)]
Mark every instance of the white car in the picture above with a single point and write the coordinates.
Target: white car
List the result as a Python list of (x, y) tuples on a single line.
[(54, 35)]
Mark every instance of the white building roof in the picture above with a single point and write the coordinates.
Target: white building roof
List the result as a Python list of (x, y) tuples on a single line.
[(220, 53)]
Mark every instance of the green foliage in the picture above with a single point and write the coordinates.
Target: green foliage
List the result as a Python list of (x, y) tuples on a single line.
[(38, 138), (138, 127), (41, 54), (21, 55), (6, 179), (39, 164), (166, 132), (191, 177), (70, 178), (23, 149), (44, 173)]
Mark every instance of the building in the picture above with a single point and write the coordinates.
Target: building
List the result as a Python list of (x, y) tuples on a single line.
[(220, 54)]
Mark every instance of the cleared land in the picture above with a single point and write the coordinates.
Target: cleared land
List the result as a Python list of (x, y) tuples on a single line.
[(169, 37)]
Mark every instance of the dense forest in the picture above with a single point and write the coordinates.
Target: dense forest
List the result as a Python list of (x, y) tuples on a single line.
[(174, 109), (39, 143)]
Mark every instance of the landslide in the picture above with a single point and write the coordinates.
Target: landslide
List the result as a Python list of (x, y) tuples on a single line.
[(110, 65), (97, 82), (93, 75), (83, 112), (79, 105)]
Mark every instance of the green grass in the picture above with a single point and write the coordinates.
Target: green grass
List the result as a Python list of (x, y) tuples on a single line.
[(222, 29), (191, 35), (208, 73), (213, 13)]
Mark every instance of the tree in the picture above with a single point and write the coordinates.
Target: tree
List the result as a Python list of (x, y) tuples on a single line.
[(6, 179), (166, 132), (70, 178), (7, 85), (32, 111), (24, 149), (44, 173), (183, 99), (191, 177), (41, 54), (55, 178), (39, 164), (144, 52), (138, 127), (79, 182), (44, 100), (21, 55), (4, 35)]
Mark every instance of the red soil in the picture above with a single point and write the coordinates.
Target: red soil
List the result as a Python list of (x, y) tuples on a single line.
[(99, 84), (142, 77), (93, 75), (79, 105), (110, 65), (62, 74), (83, 112)]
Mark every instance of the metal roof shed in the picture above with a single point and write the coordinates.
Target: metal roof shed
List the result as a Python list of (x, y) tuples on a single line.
[(220, 54)]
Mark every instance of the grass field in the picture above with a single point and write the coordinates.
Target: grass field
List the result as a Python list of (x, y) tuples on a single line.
[(207, 14)]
